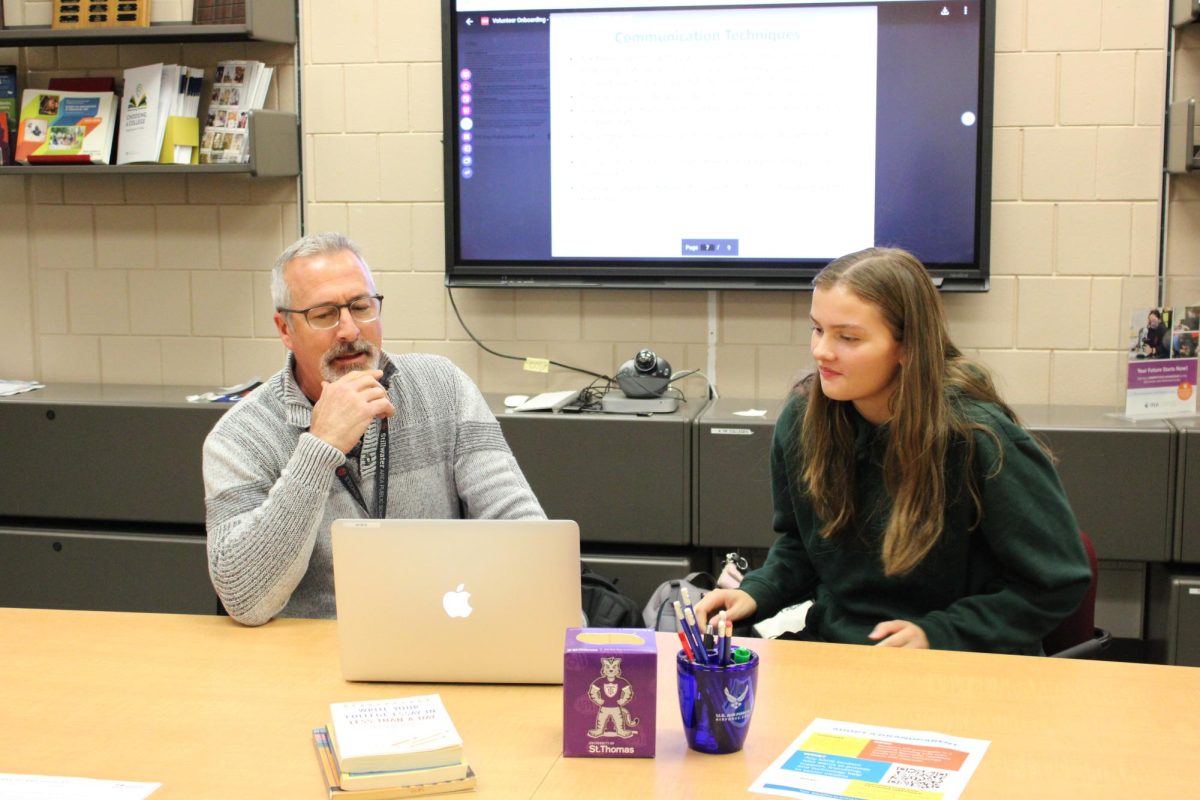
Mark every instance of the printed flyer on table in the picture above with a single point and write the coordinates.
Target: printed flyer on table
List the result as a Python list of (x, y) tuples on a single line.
[(833, 759)]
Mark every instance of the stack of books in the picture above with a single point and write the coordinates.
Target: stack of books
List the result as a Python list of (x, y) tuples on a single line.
[(384, 749), (239, 87)]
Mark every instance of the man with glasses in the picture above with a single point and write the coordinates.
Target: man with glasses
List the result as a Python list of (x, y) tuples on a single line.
[(343, 430)]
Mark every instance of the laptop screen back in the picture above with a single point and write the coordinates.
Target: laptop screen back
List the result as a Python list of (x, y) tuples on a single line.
[(450, 601)]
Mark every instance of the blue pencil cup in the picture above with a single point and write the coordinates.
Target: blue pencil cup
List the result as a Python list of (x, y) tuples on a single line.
[(716, 703)]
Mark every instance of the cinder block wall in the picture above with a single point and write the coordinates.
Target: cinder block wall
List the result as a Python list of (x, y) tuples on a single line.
[(159, 279)]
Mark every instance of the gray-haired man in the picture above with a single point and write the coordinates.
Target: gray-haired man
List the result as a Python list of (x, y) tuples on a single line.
[(343, 430)]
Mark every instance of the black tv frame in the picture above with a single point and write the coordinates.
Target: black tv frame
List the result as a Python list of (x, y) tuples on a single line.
[(695, 273)]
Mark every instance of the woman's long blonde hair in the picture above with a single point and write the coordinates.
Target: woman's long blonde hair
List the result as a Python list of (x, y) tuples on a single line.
[(925, 421)]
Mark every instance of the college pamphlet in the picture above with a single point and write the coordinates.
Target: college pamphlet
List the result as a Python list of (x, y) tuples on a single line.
[(60, 126), (141, 129), (1161, 374), (833, 759), (153, 94)]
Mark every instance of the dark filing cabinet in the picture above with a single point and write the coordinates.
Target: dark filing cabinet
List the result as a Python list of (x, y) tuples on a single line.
[(626, 479), (102, 499), (623, 478), (1119, 475), (733, 507), (1187, 492), (1173, 627)]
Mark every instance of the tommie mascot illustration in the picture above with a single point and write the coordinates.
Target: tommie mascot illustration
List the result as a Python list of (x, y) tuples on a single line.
[(611, 693)]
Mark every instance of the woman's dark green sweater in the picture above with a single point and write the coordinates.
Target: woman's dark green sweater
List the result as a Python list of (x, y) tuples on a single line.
[(998, 587)]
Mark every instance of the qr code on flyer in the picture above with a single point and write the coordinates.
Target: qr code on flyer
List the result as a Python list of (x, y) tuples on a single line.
[(913, 778)]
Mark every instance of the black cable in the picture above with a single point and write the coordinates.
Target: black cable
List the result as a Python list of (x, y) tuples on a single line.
[(487, 349), (590, 399)]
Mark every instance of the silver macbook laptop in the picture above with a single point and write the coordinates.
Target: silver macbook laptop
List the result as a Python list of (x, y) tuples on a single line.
[(455, 601)]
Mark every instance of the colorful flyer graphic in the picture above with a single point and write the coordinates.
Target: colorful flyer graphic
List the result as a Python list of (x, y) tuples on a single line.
[(1161, 378), (833, 759)]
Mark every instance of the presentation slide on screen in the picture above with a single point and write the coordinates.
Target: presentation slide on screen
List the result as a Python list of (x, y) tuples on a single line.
[(713, 126)]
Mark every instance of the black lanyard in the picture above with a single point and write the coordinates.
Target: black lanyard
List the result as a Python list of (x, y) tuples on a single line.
[(381, 476), (381, 461)]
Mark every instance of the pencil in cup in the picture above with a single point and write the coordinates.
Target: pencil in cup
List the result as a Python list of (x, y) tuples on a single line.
[(707, 656)]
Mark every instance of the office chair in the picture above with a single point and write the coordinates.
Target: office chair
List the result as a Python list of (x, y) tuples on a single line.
[(1078, 636)]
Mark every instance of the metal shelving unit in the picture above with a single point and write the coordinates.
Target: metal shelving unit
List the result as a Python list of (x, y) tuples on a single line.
[(274, 135), (1181, 151), (266, 21)]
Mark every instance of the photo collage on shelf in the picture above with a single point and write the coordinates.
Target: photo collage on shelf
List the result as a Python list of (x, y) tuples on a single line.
[(238, 88)]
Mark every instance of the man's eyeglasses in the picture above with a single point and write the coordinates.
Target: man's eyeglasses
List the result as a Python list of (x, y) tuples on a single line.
[(324, 317)]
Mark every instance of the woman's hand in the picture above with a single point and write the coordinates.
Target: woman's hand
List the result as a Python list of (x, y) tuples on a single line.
[(737, 604), (899, 633)]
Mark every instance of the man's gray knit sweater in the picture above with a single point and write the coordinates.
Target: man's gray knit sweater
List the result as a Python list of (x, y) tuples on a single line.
[(271, 492)]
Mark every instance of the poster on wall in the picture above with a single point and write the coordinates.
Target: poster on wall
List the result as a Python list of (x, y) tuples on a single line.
[(1161, 376)]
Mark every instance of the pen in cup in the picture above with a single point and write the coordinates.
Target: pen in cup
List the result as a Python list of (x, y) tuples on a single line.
[(687, 631), (683, 639), (690, 613), (722, 640), (700, 649)]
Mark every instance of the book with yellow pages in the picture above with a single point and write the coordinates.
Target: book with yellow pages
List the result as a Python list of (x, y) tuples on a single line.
[(335, 780), (394, 734)]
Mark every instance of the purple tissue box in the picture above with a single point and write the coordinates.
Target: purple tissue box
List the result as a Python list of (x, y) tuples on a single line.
[(610, 677)]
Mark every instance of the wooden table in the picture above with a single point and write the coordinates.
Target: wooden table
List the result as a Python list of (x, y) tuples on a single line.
[(215, 710)]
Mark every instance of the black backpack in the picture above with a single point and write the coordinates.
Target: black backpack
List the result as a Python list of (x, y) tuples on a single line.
[(604, 604)]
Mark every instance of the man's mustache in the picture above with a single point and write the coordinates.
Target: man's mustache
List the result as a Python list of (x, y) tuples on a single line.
[(358, 346)]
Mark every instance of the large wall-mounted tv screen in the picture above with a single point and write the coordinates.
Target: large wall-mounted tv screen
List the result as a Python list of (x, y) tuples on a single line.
[(713, 145)]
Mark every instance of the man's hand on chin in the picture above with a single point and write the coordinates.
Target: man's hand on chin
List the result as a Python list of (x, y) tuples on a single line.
[(347, 406)]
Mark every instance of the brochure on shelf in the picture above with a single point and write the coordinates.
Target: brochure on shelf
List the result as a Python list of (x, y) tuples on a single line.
[(1162, 369), (66, 127)]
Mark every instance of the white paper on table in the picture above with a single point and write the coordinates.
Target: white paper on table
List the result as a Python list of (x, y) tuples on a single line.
[(16, 387), (830, 759), (751, 412), (52, 787)]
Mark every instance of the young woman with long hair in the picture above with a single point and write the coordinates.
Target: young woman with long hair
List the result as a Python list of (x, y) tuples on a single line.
[(911, 506)]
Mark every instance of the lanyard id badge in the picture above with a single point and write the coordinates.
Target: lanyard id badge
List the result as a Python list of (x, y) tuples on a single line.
[(381, 463), (381, 476)]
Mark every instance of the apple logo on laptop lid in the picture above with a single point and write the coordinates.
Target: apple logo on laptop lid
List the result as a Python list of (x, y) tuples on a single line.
[(457, 603)]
